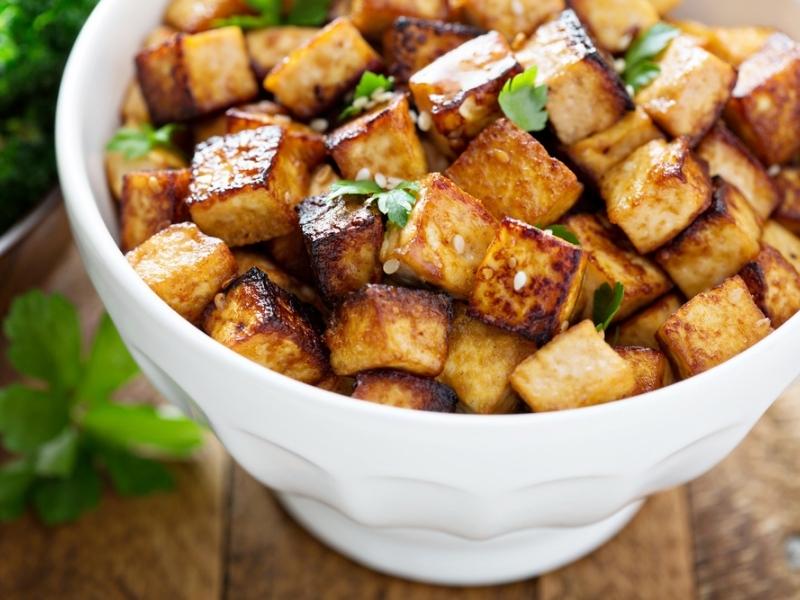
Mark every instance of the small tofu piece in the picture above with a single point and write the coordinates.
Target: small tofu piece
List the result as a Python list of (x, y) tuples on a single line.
[(690, 92), (576, 369), (510, 17), (373, 17), (383, 140), (118, 165), (641, 328), (611, 260), (245, 185), (152, 201), (713, 327), (412, 44), (268, 47), (650, 368), (788, 211), (267, 325), (315, 76), (529, 282), (716, 245), (322, 179), (459, 90), (596, 154), (134, 108), (446, 238), (585, 93), (766, 101), (734, 45), (480, 363), (343, 239), (192, 75), (784, 241), (514, 176), (774, 284), (289, 251), (729, 158), (395, 388), (385, 327), (614, 24), (656, 193), (158, 36), (246, 259), (198, 15), (184, 267)]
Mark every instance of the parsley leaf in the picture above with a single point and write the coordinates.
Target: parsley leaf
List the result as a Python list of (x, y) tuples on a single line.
[(269, 13), (135, 476), (110, 364), (135, 142), (523, 102), (640, 70), (369, 85), (57, 457), (16, 478), (607, 302), (563, 232), (29, 418), (61, 500), (354, 188), (308, 13), (396, 203)]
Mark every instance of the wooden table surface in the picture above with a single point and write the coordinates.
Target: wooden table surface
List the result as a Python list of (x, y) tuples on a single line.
[(734, 533)]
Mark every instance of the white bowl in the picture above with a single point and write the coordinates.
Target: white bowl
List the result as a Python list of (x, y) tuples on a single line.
[(453, 499)]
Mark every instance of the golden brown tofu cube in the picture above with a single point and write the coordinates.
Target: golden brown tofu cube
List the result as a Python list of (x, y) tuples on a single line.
[(184, 267), (118, 165), (198, 15), (715, 246), (713, 327), (766, 101), (313, 77), (774, 284), (395, 388), (615, 23), (459, 90), (343, 239), (385, 327), (788, 211), (585, 93), (690, 92), (729, 158), (664, 6), (574, 370), (656, 193), (446, 238), (382, 141), (152, 201), (245, 185), (262, 322), (134, 108), (373, 17), (268, 47), (736, 44), (650, 368), (289, 251), (641, 328), (510, 17), (480, 363), (250, 258), (529, 282), (596, 154), (784, 241), (514, 176), (610, 261), (192, 75)]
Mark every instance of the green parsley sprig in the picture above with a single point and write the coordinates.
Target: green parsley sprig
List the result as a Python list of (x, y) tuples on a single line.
[(524, 102), (607, 302), (62, 428), (369, 85), (640, 67), (563, 232), (396, 203), (269, 13), (135, 142)]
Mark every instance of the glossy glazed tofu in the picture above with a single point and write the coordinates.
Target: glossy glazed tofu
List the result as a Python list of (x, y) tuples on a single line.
[(774, 284), (614, 24), (268, 47), (641, 328), (152, 201), (198, 15), (402, 390), (784, 241), (510, 17), (788, 211), (650, 368), (373, 17)]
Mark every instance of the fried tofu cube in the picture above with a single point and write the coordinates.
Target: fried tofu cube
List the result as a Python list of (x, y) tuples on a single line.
[(784, 241), (198, 15), (385, 327), (514, 176), (715, 246), (656, 193), (529, 282), (766, 101), (446, 238), (118, 165), (510, 17), (343, 239), (192, 75), (245, 186), (610, 260), (459, 90), (787, 214), (480, 363), (734, 45), (576, 369), (395, 388), (641, 328), (615, 23), (265, 324), (247, 259), (713, 327), (289, 251), (268, 47), (373, 17), (690, 91), (315, 76), (382, 141), (134, 108), (729, 158), (152, 201), (184, 267), (596, 154), (650, 368), (774, 284), (322, 178)]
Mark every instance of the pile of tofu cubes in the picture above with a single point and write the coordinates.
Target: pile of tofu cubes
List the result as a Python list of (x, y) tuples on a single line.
[(687, 192)]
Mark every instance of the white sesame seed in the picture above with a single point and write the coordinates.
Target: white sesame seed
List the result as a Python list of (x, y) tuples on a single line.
[(470, 109), (774, 170), (414, 116), (391, 266), (319, 125), (763, 323), (626, 40), (547, 232), (630, 90), (393, 182), (425, 121), (619, 65), (517, 7), (377, 93), (383, 96), (219, 301), (459, 244), (564, 326), (361, 102), (364, 175), (380, 179), (520, 280)]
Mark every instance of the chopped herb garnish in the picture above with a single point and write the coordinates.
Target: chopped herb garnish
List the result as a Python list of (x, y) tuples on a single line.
[(369, 85), (135, 142), (523, 102), (269, 13), (607, 302), (563, 232), (395, 203), (640, 67)]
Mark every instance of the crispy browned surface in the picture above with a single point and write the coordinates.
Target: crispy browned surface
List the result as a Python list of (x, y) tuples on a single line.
[(267, 47), (585, 93), (784, 241), (198, 15), (510, 17), (426, 247), (656, 193), (713, 327), (577, 368), (184, 267), (248, 258), (117, 165), (459, 89), (395, 388), (615, 23), (151, 201), (514, 176), (765, 107), (343, 240), (641, 328), (774, 284), (788, 211), (373, 17), (550, 271), (313, 77), (716, 245), (265, 324), (650, 367), (384, 327)]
